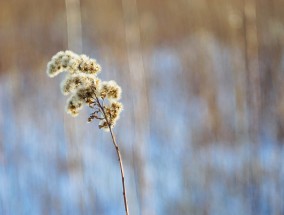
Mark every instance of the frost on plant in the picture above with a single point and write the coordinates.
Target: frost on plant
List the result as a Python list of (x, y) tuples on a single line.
[(85, 88)]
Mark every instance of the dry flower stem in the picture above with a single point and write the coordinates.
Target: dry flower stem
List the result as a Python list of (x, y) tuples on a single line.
[(86, 89), (118, 155)]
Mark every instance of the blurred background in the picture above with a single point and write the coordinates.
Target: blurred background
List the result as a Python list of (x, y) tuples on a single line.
[(203, 91)]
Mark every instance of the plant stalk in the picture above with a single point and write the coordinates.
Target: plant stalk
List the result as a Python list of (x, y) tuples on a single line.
[(118, 155), (121, 169)]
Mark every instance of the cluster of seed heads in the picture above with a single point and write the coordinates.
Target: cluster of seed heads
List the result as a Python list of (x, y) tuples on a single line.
[(85, 88)]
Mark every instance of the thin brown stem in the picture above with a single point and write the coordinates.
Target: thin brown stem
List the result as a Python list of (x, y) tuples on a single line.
[(118, 155), (121, 168)]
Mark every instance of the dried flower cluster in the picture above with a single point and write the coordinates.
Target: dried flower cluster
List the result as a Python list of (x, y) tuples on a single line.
[(84, 87)]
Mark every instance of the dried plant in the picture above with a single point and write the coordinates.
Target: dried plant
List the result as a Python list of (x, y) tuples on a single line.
[(85, 88)]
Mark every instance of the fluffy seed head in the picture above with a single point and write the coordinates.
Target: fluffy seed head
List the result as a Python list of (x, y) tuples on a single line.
[(110, 90), (74, 82), (87, 94), (74, 105), (112, 112), (85, 88), (88, 66), (72, 63), (59, 63)]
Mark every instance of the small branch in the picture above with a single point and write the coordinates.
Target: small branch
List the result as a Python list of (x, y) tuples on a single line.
[(118, 155)]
